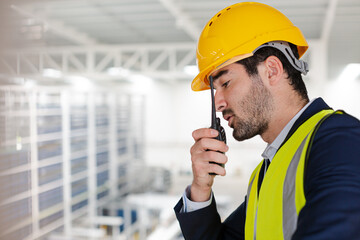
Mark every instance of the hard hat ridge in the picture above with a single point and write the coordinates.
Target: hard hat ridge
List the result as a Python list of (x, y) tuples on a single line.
[(284, 47)]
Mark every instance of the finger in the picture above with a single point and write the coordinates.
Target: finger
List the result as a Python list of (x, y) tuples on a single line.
[(201, 173), (212, 156), (216, 169), (204, 133), (211, 144), (203, 159), (212, 160)]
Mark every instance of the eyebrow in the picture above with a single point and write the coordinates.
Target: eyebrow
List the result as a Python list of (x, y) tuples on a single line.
[(219, 74)]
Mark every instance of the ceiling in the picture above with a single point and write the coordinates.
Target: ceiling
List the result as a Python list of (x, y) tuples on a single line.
[(84, 23)]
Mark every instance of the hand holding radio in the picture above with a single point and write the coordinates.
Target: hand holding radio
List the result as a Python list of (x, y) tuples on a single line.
[(206, 151), (207, 156)]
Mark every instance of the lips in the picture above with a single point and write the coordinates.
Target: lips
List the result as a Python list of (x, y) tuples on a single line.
[(230, 122), (228, 118), (228, 115)]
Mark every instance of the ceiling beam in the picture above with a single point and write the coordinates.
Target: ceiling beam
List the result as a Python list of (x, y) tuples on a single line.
[(115, 18), (153, 58), (58, 27), (182, 19), (328, 21)]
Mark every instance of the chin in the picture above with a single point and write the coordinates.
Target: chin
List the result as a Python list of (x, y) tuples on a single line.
[(244, 136)]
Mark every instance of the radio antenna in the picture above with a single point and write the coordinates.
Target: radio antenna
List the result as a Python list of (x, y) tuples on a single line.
[(213, 110)]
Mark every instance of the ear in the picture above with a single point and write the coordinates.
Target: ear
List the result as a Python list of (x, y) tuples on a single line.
[(274, 69)]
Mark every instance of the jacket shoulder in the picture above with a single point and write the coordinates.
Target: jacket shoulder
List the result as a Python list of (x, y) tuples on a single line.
[(332, 182)]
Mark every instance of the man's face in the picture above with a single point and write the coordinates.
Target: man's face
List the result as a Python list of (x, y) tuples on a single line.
[(244, 101)]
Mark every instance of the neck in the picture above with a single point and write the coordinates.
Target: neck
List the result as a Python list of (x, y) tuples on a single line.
[(285, 110)]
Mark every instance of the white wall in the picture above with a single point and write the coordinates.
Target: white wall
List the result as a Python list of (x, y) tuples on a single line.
[(345, 95)]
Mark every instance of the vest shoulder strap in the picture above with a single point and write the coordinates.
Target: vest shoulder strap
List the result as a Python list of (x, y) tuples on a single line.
[(300, 198)]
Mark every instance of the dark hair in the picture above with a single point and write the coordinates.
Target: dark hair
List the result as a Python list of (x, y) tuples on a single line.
[(294, 75)]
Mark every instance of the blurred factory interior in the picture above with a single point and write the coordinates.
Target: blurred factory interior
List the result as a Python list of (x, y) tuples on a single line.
[(96, 110)]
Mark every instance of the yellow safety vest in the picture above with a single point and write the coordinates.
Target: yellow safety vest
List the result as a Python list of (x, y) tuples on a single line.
[(272, 213)]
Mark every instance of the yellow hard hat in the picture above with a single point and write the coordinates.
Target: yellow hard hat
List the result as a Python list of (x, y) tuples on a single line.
[(235, 32)]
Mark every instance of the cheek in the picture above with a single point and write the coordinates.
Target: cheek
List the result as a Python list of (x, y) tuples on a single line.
[(234, 103), (231, 100), (236, 97)]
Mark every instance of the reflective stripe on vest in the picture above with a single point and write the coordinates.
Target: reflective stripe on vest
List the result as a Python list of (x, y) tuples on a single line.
[(274, 211)]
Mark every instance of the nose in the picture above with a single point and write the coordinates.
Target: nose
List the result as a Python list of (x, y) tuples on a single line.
[(220, 103)]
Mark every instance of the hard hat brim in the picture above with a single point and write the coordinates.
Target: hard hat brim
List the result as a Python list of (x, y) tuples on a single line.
[(201, 81)]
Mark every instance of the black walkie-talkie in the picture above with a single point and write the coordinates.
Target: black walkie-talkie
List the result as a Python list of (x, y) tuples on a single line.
[(215, 121)]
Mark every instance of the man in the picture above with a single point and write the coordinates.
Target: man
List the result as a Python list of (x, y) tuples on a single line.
[(308, 185)]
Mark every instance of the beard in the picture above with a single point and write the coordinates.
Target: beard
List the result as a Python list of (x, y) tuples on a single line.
[(257, 107)]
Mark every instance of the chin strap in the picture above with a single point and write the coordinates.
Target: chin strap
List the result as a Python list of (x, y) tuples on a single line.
[(284, 47)]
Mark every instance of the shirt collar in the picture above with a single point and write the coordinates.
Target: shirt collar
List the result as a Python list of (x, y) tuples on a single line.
[(272, 148)]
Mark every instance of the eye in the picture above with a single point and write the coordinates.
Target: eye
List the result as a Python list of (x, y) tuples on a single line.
[(225, 84)]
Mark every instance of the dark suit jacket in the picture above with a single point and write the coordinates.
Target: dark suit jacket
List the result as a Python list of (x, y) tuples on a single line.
[(332, 188)]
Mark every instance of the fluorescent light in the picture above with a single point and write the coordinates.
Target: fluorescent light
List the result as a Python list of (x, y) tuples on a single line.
[(350, 72), (140, 79), (118, 71), (191, 70), (80, 83), (141, 83), (52, 73), (29, 83)]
